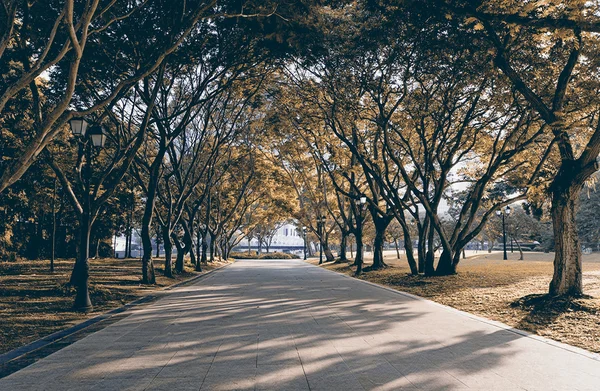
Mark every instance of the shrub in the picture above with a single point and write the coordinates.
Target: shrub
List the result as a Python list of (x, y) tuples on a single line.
[(242, 255), (278, 256), (252, 255)]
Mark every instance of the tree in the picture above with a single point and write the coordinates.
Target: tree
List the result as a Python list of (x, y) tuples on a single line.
[(428, 117), (72, 41)]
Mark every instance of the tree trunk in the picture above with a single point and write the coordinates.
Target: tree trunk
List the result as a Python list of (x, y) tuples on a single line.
[(410, 257), (328, 254), (148, 275), (378, 262), (421, 256), (224, 250), (343, 244), (446, 266), (520, 250), (358, 254), (567, 279), (157, 244), (397, 249), (327, 251), (168, 252), (81, 271), (203, 258), (188, 241), (130, 223), (198, 249), (358, 260), (212, 247), (430, 254), (180, 259), (126, 244), (219, 249)]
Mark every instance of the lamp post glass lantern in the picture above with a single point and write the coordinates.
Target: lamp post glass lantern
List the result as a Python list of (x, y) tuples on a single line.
[(78, 126), (360, 202), (97, 136)]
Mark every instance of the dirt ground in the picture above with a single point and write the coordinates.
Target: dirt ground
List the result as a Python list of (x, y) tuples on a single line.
[(35, 303), (512, 292)]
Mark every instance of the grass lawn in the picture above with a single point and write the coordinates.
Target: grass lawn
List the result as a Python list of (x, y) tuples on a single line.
[(35, 303), (512, 292)]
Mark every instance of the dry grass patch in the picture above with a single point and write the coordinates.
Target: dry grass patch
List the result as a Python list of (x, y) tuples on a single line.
[(512, 292), (35, 303)]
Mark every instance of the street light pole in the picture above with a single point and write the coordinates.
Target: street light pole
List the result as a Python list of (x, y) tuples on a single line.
[(95, 137), (53, 226), (504, 236), (504, 213), (304, 238)]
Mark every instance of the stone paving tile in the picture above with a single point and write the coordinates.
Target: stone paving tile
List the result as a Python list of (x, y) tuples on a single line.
[(174, 384), (230, 377), (281, 377), (117, 383), (337, 381)]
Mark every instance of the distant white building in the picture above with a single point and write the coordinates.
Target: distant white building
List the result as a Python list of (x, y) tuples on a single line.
[(136, 245), (287, 239)]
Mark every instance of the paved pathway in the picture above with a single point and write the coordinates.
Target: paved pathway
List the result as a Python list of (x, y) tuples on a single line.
[(287, 325)]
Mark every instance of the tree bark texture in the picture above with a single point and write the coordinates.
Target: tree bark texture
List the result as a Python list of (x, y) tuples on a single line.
[(168, 252), (567, 278), (343, 245)]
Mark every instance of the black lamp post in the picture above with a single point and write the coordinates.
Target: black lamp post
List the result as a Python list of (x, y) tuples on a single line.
[(53, 247), (304, 239), (320, 227), (503, 214), (94, 137)]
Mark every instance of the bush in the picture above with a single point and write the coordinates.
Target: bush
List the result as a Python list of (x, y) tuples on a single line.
[(252, 255), (105, 250), (278, 256), (242, 255)]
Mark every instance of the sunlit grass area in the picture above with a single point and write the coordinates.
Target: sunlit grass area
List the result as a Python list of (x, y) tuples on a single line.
[(512, 292), (35, 302)]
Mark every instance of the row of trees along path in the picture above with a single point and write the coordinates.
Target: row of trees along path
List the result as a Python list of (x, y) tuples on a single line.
[(342, 115)]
